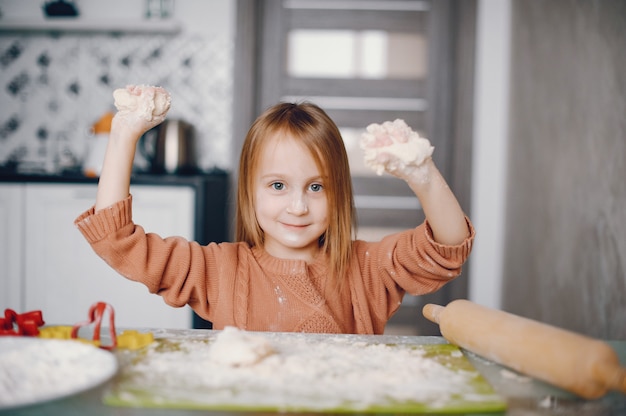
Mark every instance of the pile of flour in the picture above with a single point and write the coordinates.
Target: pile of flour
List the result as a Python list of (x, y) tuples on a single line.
[(240, 348), (34, 370), (290, 371)]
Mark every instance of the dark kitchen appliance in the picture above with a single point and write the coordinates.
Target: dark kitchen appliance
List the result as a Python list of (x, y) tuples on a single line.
[(170, 148)]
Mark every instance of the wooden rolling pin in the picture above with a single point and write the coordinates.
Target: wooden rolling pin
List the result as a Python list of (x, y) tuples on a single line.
[(582, 365)]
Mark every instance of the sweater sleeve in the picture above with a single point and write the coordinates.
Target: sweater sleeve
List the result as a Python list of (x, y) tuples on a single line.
[(171, 267), (410, 261)]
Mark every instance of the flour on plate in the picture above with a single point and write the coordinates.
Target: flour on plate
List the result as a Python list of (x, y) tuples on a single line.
[(34, 370), (393, 146), (148, 101)]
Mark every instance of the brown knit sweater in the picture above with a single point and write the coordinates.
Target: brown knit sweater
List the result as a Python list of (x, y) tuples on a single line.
[(232, 284)]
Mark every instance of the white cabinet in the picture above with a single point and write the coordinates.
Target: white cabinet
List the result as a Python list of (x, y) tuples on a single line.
[(11, 241), (62, 276)]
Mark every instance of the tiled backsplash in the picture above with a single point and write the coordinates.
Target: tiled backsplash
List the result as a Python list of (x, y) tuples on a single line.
[(54, 87)]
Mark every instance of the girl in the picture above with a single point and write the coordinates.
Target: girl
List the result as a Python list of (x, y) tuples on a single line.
[(294, 267)]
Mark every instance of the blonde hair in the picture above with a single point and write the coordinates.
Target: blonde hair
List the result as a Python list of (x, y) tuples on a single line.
[(314, 129)]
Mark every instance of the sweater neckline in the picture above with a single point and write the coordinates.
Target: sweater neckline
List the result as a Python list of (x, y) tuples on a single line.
[(288, 266)]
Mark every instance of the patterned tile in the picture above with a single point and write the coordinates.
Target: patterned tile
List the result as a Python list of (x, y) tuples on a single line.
[(53, 88)]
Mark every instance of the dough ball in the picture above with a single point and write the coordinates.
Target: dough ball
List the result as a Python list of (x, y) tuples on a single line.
[(393, 146), (148, 102), (234, 347)]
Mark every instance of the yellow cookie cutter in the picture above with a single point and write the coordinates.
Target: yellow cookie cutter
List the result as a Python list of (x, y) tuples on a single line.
[(134, 340)]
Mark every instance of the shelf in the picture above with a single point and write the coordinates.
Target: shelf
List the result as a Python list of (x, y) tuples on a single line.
[(71, 25)]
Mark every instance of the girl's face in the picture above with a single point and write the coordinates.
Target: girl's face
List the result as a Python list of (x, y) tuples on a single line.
[(290, 199)]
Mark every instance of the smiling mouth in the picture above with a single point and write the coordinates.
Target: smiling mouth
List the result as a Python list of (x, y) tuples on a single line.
[(296, 226)]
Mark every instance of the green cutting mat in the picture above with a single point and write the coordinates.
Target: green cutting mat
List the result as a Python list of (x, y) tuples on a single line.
[(177, 372)]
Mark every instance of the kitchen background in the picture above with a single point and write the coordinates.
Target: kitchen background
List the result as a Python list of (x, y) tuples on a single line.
[(56, 85), (549, 131)]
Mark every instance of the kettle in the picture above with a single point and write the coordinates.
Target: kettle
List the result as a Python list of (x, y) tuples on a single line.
[(92, 165), (170, 148)]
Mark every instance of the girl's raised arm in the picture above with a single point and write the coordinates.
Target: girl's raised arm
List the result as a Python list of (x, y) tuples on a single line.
[(393, 147), (442, 209), (140, 108)]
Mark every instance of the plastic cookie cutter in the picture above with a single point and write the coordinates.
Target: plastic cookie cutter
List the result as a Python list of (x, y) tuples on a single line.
[(134, 340), (56, 332), (96, 312), (27, 323)]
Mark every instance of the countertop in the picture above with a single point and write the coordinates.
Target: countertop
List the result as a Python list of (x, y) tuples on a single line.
[(10, 176), (524, 396)]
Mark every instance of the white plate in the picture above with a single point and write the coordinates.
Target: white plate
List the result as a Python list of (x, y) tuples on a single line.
[(35, 370)]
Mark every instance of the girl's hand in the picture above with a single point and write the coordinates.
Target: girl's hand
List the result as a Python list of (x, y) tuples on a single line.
[(140, 108), (395, 148)]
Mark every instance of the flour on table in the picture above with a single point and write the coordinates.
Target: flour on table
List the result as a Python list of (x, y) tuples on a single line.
[(511, 375), (393, 146), (291, 371), (148, 101), (234, 347)]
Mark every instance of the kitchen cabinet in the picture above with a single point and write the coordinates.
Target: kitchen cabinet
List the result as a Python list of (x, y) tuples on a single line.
[(63, 276), (50, 267)]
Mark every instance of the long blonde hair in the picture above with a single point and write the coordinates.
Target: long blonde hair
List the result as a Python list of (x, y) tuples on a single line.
[(314, 129)]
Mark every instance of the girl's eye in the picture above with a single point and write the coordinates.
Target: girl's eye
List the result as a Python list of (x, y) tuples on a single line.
[(278, 186), (316, 187)]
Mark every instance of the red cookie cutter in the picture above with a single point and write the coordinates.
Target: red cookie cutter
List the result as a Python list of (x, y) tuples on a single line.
[(96, 312), (27, 323)]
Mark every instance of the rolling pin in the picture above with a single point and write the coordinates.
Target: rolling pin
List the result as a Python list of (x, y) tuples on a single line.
[(579, 364)]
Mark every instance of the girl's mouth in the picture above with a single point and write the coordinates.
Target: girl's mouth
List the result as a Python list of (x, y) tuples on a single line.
[(294, 226)]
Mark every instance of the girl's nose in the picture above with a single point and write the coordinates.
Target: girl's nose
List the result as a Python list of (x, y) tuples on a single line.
[(298, 206)]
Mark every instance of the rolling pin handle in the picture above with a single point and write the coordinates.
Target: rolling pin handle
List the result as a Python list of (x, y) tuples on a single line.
[(432, 312), (614, 377)]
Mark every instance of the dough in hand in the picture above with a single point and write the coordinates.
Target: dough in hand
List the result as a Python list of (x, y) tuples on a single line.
[(234, 347), (394, 147), (147, 101)]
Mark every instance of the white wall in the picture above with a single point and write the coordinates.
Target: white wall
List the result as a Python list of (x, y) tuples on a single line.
[(207, 17), (491, 106)]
